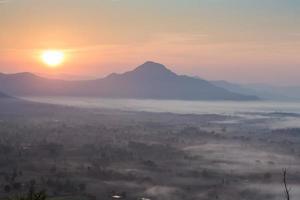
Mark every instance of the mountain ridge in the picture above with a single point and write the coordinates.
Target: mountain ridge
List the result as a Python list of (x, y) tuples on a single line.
[(150, 80), (2, 95), (263, 91)]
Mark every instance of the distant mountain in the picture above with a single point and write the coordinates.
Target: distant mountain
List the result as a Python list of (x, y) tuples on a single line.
[(233, 87), (277, 92), (263, 91), (2, 95), (65, 76), (148, 81), (22, 84)]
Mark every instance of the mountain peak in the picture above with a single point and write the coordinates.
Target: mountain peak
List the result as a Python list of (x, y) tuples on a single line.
[(152, 63), (154, 68)]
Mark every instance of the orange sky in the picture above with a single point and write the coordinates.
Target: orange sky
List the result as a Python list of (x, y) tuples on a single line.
[(240, 41)]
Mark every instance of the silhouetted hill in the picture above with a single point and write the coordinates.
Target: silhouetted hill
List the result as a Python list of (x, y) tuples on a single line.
[(2, 95), (153, 80), (23, 84), (263, 91), (150, 81), (233, 87)]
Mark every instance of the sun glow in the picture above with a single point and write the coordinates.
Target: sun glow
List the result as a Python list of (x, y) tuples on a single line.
[(53, 58)]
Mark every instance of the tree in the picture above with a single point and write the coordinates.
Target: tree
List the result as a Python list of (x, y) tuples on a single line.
[(7, 188), (17, 185), (32, 195), (82, 187), (287, 191)]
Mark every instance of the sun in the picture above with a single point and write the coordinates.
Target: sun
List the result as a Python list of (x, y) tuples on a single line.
[(53, 58)]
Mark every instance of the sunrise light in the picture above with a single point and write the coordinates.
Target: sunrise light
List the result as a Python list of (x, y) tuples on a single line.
[(53, 58)]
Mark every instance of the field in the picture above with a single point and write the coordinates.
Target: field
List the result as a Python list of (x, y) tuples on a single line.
[(82, 153)]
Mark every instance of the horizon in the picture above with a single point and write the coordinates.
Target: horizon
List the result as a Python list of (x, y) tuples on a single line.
[(76, 77), (242, 42)]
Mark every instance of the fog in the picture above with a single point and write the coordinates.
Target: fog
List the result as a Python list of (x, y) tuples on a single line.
[(93, 152), (175, 106)]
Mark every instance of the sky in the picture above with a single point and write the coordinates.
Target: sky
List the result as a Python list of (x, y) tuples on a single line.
[(243, 41)]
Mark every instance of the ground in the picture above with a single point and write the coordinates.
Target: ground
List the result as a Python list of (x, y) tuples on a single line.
[(76, 153)]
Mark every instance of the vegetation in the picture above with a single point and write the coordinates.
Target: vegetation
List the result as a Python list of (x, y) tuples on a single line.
[(70, 153)]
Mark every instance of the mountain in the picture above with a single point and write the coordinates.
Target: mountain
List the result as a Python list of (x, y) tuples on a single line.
[(2, 95), (241, 89), (148, 81), (23, 84), (277, 92), (65, 76), (263, 91)]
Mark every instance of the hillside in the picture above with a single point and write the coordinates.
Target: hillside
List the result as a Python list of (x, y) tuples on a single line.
[(148, 81)]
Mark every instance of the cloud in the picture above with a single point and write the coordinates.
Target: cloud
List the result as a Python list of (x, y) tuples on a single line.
[(171, 38), (72, 49)]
